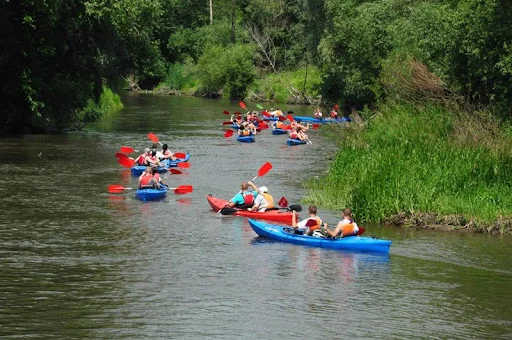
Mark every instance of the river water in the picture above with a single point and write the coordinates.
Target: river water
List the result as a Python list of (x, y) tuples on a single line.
[(76, 262)]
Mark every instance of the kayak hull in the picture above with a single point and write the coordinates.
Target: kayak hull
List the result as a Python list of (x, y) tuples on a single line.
[(286, 234), (151, 194), (292, 141), (281, 216), (246, 139), (305, 119), (279, 132), (137, 170)]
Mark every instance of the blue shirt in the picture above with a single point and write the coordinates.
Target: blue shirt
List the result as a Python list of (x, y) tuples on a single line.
[(239, 198)]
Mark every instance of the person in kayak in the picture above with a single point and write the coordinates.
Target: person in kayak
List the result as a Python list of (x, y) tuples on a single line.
[(318, 113), (263, 201), (152, 160), (167, 154), (334, 113), (346, 227), (244, 199), (141, 159), (157, 179), (308, 225), (146, 179)]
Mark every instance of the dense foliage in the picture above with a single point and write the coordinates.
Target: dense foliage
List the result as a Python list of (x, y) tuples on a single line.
[(58, 54)]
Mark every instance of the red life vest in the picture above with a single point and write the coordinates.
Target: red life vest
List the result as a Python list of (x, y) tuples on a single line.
[(294, 135), (141, 158), (146, 179), (248, 198)]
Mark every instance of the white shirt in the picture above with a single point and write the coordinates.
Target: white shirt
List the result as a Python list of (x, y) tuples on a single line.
[(302, 224), (261, 202)]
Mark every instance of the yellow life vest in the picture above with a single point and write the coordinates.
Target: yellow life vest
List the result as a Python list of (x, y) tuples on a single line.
[(269, 199)]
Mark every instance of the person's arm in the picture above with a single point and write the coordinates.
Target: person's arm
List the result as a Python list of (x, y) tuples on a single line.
[(253, 185)]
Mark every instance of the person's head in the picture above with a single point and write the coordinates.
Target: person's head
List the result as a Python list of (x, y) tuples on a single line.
[(347, 213), (148, 170), (164, 147), (154, 170), (153, 153), (244, 185), (312, 209), (263, 190)]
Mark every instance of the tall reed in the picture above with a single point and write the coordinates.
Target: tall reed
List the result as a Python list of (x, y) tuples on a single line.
[(419, 160)]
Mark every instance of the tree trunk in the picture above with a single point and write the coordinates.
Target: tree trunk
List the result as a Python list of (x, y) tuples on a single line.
[(211, 12)]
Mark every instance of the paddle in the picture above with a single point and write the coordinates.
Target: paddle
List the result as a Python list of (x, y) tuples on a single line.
[(227, 123), (242, 105), (231, 211), (153, 138), (121, 155), (283, 203), (290, 117), (180, 155), (175, 171), (336, 106), (183, 165), (126, 162), (263, 170), (225, 112), (127, 149), (316, 126), (117, 189), (228, 133), (259, 106)]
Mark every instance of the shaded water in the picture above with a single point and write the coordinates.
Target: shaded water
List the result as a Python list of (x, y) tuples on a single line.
[(76, 262)]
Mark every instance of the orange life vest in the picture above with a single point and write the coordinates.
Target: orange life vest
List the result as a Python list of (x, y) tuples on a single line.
[(269, 199)]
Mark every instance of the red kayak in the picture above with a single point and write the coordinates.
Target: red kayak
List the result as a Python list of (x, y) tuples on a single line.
[(282, 216)]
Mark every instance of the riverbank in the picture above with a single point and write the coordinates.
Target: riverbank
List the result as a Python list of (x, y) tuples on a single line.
[(425, 168)]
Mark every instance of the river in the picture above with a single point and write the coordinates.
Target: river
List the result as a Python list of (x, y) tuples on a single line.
[(76, 262)]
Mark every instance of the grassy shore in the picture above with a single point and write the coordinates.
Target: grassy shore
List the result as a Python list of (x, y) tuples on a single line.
[(422, 167)]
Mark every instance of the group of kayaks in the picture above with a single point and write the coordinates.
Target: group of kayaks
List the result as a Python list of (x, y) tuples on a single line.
[(284, 233)]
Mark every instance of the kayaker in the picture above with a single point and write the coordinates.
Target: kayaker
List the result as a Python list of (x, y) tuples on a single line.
[(334, 113), (152, 159), (346, 227), (244, 199), (308, 225), (146, 179), (141, 159), (244, 131), (167, 154), (157, 179), (318, 113), (263, 201)]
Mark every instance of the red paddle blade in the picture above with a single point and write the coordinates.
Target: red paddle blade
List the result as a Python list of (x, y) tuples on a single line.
[(290, 118), (183, 165), (361, 231), (316, 126), (264, 169), (242, 105), (228, 133), (225, 112), (283, 202), (336, 107), (152, 137), (286, 127), (227, 123), (126, 149), (175, 171), (120, 155), (282, 118), (263, 125), (180, 155), (115, 188), (265, 114), (126, 162), (183, 189), (238, 113)]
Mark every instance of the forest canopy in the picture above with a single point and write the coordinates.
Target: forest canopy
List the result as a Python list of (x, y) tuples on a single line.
[(59, 55)]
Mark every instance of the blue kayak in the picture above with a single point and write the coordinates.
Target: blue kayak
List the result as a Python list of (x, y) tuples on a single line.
[(292, 141), (137, 170), (279, 132), (304, 119), (151, 194), (286, 234), (246, 139)]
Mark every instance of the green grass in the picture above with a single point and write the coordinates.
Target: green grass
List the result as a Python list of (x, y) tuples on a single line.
[(410, 161)]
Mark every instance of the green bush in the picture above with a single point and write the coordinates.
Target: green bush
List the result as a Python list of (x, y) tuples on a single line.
[(410, 160), (229, 69), (108, 102)]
